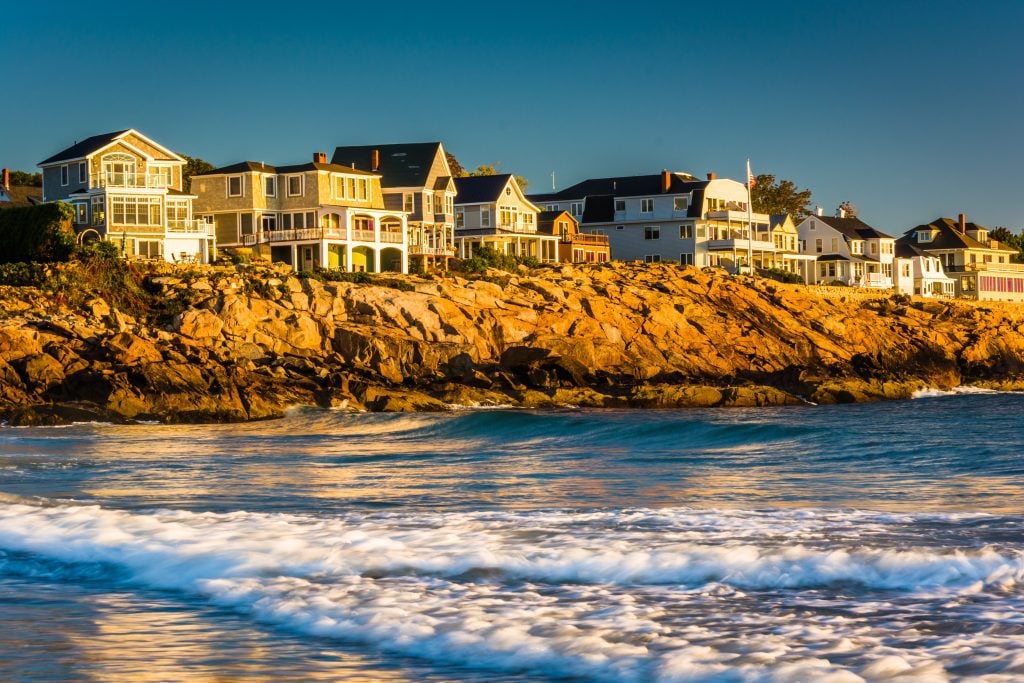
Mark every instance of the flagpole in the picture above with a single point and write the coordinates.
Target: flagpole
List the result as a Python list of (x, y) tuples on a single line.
[(750, 224)]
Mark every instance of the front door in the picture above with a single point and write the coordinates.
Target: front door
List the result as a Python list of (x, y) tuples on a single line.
[(308, 258)]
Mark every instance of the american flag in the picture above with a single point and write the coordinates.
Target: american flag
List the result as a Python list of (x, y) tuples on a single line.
[(751, 181)]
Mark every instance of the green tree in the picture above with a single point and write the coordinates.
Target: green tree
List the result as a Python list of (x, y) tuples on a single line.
[(492, 169), (1010, 239), (193, 166), (456, 168), (26, 179), (783, 196)]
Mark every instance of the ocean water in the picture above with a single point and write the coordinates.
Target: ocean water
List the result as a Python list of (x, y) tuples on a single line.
[(833, 543)]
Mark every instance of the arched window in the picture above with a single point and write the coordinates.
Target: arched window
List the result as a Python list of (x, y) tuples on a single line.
[(119, 170)]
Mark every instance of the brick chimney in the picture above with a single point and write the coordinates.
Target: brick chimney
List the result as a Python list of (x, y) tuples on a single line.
[(319, 158), (375, 160), (7, 179), (962, 219), (712, 176)]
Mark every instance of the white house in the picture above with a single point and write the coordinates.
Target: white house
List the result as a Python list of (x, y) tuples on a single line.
[(921, 274), (847, 250), (492, 211)]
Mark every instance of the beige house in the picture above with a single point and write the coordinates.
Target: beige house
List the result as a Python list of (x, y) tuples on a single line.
[(313, 215), (980, 267), (127, 188), (781, 232), (492, 211), (415, 179)]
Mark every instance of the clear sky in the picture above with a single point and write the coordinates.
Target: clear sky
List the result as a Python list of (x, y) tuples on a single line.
[(911, 110)]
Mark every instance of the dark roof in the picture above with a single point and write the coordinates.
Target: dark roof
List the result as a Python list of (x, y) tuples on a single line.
[(442, 182), (599, 209), (481, 189), (854, 228), (178, 193), (86, 146), (401, 165), (625, 186), (777, 219), (23, 195), (950, 237), (260, 167), (834, 257), (907, 249)]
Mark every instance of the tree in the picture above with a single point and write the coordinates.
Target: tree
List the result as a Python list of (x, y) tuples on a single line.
[(26, 179), (456, 168), (193, 166), (849, 209), (492, 169), (771, 197), (1010, 239)]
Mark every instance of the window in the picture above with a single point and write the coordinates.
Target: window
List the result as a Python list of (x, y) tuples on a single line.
[(119, 170), (363, 186), (98, 210), (818, 245), (83, 171), (245, 223), (686, 259), (270, 186), (295, 186), (449, 204), (286, 221), (620, 227), (428, 204), (82, 213), (298, 221), (508, 191), (652, 233), (235, 186), (874, 247), (686, 232), (64, 174), (702, 232), (905, 269), (551, 207), (576, 209), (460, 218), (485, 216), (268, 222), (150, 248), (646, 206), (620, 204), (408, 202), (177, 213), (680, 203), (527, 219), (161, 176), (652, 258), (835, 244), (135, 210)]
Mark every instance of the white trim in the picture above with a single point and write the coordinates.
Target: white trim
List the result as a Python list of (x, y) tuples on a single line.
[(147, 157), (65, 175), (241, 185), (154, 143), (288, 184), (83, 165)]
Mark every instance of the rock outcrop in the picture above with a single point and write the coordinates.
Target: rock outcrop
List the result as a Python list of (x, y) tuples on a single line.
[(229, 344)]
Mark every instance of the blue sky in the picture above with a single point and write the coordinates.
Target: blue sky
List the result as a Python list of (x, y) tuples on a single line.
[(909, 109)]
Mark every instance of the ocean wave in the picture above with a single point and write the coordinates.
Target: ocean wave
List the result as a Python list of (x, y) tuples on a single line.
[(956, 391), (576, 594)]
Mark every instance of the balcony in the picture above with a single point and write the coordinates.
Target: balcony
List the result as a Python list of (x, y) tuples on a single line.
[(588, 239), (986, 267), (876, 280), (392, 237), (735, 215), (129, 180), (193, 227), (421, 250), (516, 227), (363, 236)]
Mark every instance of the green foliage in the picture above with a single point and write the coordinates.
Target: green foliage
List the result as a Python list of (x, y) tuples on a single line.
[(36, 233), (457, 169), (771, 197), (22, 274), (26, 179), (99, 249), (1010, 239), (488, 257), (780, 275), (492, 169), (193, 166)]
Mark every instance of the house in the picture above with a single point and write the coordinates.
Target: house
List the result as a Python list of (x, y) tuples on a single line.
[(980, 267), (847, 250), (919, 273), (127, 188), (312, 215), (782, 233), (670, 215), (573, 246), (17, 195), (415, 179), (491, 211)]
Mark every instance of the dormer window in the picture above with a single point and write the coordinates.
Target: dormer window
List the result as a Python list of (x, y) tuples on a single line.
[(924, 235), (270, 186), (646, 206), (680, 203), (620, 205), (235, 186), (295, 186)]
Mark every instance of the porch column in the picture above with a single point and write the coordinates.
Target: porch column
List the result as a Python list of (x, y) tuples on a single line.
[(323, 254), (405, 261), (348, 257), (295, 257)]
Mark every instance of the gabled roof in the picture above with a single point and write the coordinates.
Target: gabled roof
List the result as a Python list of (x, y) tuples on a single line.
[(22, 195), (482, 189), (401, 165), (854, 228), (260, 167), (777, 220), (907, 249), (98, 142), (85, 147), (950, 237), (624, 186)]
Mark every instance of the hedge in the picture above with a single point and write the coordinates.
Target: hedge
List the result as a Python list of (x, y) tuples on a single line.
[(40, 233)]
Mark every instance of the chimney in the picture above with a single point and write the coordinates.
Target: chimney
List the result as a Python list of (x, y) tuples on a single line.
[(840, 212), (962, 218), (712, 176), (319, 158), (7, 179), (666, 181), (818, 211), (375, 160)]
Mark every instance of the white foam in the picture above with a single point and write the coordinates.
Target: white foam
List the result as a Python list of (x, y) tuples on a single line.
[(626, 595), (955, 391)]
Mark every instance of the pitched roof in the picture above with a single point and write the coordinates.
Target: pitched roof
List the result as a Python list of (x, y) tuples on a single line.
[(854, 228), (22, 195), (481, 189), (401, 165), (86, 146), (260, 167), (546, 221), (624, 186), (950, 237)]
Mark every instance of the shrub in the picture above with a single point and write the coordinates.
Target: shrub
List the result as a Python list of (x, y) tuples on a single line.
[(40, 233), (99, 249), (780, 275), (488, 257), (22, 274)]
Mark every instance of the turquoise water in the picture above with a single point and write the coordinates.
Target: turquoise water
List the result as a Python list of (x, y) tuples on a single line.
[(826, 543)]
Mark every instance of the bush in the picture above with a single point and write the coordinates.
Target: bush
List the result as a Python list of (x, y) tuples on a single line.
[(40, 233), (780, 275), (98, 249), (22, 274), (488, 257)]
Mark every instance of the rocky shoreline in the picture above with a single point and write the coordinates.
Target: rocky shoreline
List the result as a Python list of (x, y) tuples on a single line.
[(222, 344)]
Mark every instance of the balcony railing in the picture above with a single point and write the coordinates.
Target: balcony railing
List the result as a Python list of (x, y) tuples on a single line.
[(392, 237), (193, 227), (420, 250), (991, 267), (589, 238), (363, 236), (516, 227), (129, 179)]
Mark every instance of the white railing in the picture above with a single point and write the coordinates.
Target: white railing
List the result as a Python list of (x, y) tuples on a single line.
[(364, 236), (129, 179), (193, 227), (392, 237)]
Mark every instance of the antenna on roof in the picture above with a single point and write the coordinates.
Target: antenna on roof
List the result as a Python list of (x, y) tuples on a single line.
[(552, 181)]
